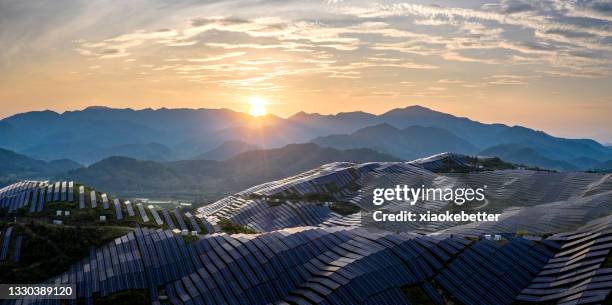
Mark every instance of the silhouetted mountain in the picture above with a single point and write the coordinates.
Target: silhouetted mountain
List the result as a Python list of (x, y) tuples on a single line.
[(476, 133), (86, 134), (553, 147), (343, 122), (15, 167), (150, 151), (226, 150), (603, 167), (98, 132), (584, 162), (205, 180), (408, 143), (520, 154)]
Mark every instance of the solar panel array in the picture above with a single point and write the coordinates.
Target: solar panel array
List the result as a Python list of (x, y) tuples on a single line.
[(306, 253), (575, 274), (263, 216), (544, 202), (18, 195), (314, 265), (34, 196)]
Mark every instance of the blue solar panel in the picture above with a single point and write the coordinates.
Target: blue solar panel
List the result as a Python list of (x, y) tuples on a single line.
[(6, 240)]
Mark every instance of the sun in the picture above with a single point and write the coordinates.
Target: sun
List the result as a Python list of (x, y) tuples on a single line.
[(258, 106)]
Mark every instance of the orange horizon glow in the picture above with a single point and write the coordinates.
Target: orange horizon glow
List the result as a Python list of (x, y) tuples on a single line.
[(538, 68)]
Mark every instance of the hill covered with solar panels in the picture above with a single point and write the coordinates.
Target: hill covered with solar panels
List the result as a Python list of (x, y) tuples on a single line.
[(340, 194), (310, 239)]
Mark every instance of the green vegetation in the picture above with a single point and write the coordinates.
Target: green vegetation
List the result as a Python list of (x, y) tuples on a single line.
[(344, 208), (189, 239), (522, 232), (230, 227), (494, 163), (478, 164), (608, 262), (48, 250)]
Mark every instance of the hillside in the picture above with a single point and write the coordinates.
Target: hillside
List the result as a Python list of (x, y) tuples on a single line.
[(408, 143), (94, 133), (316, 228), (226, 150), (207, 180), (15, 166), (521, 154), (603, 167)]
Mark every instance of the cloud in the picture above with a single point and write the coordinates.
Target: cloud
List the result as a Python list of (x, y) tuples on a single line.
[(279, 45), (510, 7)]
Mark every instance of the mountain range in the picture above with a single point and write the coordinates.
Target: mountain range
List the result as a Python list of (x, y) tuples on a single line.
[(209, 180), (409, 143), (96, 133), (14, 167)]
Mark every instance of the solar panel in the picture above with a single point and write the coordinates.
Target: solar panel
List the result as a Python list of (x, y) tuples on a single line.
[(93, 199), (118, 213), (6, 240)]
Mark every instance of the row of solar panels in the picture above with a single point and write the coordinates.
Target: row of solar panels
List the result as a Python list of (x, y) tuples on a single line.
[(121, 208), (341, 266), (33, 195), (350, 266), (262, 216), (17, 195), (576, 273), (5, 245), (314, 181)]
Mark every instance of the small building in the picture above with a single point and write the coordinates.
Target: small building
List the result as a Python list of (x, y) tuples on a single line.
[(66, 213), (194, 233), (184, 232), (57, 222), (58, 213), (102, 218)]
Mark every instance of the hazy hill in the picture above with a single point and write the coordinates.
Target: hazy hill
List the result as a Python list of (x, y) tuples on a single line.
[(206, 180), (149, 151), (521, 154), (226, 150), (15, 166), (603, 167), (94, 133), (554, 147), (408, 143)]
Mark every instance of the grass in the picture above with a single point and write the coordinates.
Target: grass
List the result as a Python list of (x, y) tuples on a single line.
[(344, 208), (230, 227), (608, 262)]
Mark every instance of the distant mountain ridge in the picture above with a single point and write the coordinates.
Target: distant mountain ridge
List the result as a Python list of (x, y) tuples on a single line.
[(520, 154), (226, 150), (95, 133), (204, 180), (409, 143), (14, 167)]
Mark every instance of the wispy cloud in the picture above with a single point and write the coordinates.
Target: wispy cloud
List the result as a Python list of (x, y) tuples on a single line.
[(317, 46)]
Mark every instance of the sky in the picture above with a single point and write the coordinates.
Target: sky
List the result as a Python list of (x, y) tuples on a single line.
[(542, 64)]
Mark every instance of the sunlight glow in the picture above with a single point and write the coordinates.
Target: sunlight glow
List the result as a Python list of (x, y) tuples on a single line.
[(258, 106)]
